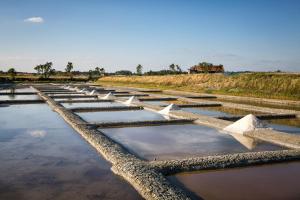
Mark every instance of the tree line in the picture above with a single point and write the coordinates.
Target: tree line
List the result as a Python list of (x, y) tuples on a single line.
[(46, 70)]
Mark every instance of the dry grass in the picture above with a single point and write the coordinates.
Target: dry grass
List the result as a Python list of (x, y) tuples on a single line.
[(269, 85)]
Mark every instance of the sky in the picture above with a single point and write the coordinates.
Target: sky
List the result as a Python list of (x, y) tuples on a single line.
[(256, 35)]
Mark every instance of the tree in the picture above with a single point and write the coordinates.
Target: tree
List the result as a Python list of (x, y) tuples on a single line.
[(139, 69), (102, 71), (45, 70), (91, 72), (178, 69), (172, 67), (12, 73), (123, 72), (99, 71), (69, 69)]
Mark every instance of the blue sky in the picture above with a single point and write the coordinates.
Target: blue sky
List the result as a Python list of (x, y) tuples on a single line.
[(118, 34)]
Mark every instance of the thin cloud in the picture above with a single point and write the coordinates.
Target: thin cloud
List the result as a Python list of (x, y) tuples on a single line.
[(36, 20)]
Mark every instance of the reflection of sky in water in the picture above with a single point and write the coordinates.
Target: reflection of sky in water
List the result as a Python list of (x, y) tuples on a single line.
[(178, 141), (57, 95), (92, 104), (80, 99), (19, 97), (201, 111), (18, 89), (42, 157), (157, 103), (120, 116)]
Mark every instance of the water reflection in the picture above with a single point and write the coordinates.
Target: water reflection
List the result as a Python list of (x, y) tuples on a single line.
[(91, 104), (179, 141), (19, 97), (43, 158), (120, 116)]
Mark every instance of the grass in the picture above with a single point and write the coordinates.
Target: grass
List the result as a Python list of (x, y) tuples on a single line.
[(266, 85)]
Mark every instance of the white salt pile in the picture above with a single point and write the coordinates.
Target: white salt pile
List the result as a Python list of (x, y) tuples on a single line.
[(92, 92), (131, 100), (108, 96), (247, 123), (167, 109)]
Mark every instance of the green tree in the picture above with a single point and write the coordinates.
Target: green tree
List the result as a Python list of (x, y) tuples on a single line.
[(178, 69), (12, 73), (172, 67), (45, 70), (139, 69), (102, 71), (69, 69)]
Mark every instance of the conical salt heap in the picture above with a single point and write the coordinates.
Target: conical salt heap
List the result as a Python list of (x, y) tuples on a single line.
[(247, 123), (131, 100), (92, 92), (167, 109), (108, 96)]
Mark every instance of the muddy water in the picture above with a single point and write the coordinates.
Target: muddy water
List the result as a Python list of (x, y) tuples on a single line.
[(92, 104), (120, 116), (267, 182), (179, 141), (218, 111), (43, 158), (18, 97)]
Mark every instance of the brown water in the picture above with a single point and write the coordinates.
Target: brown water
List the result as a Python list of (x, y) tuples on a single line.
[(43, 158), (120, 116), (180, 141), (267, 182)]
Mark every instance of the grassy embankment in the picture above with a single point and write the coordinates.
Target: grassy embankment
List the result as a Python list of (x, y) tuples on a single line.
[(267, 85)]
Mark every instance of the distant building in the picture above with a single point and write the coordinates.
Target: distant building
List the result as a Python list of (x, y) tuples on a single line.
[(206, 68)]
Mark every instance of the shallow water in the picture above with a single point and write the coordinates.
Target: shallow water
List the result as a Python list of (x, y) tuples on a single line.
[(277, 181), (19, 97), (289, 107), (179, 141), (92, 104), (66, 94), (43, 158), (219, 111), (81, 99), (19, 89), (120, 116), (285, 125)]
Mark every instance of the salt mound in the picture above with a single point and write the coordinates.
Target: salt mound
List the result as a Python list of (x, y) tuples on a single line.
[(247, 123), (167, 109), (131, 100), (92, 92), (108, 96)]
